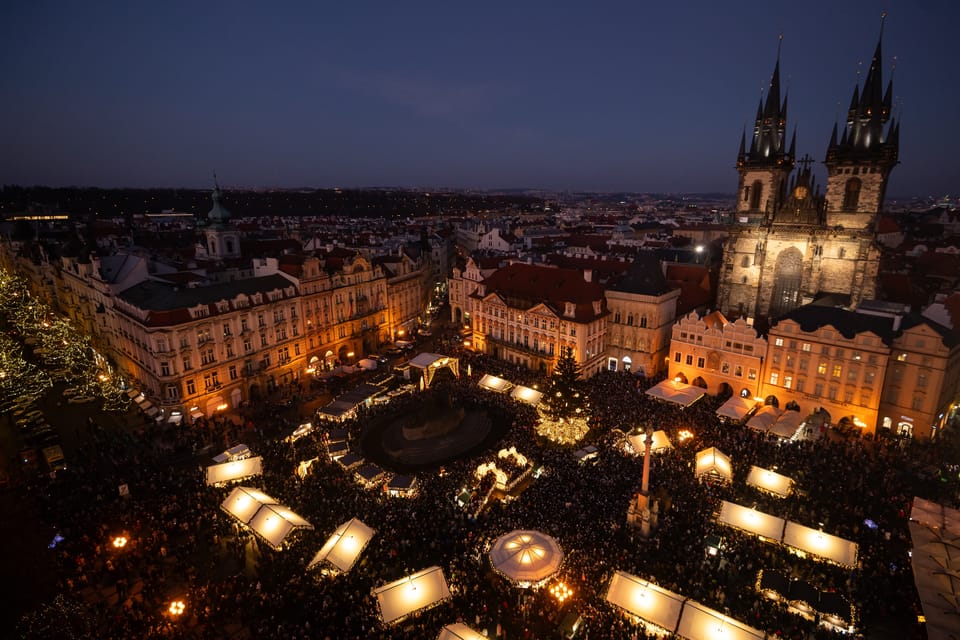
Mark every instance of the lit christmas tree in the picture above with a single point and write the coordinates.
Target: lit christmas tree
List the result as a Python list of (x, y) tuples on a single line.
[(563, 412)]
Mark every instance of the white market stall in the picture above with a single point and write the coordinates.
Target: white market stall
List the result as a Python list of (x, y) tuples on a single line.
[(751, 521), (267, 518), (676, 392), (234, 470), (526, 558), (493, 383), (659, 443), (416, 592), (736, 409), (430, 363), (770, 481), (343, 548), (703, 623), (651, 603), (367, 364), (459, 631), (820, 545), (787, 425), (934, 532), (713, 463), (526, 394), (764, 418)]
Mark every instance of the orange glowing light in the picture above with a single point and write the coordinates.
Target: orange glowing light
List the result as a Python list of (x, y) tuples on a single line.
[(176, 608), (119, 542)]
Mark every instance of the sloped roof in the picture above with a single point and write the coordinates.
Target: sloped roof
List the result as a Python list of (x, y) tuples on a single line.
[(643, 277), (848, 323), (532, 284), (160, 296)]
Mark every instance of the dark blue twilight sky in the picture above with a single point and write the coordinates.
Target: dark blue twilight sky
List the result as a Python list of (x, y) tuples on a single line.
[(638, 96)]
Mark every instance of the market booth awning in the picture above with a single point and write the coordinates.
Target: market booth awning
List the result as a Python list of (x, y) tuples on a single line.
[(234, 470), (236, 452), (526, 394), (715, 464), (342, 549), (751, 521), (430, 363), (935, 534), (770, 481), (703, 623), (344, 406), (820, 544), (676, 392), (736, 408), (413, 593), (525, 557), (493, 383), (659, 443), (787, 425), (459, 631), (764, 418), (649, 602), (267, 518)]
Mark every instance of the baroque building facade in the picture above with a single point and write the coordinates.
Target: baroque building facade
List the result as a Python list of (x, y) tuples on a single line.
[(790, 243)]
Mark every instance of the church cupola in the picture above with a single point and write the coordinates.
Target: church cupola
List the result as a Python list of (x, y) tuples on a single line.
[(859, 163), (766, 163), (221, 241)]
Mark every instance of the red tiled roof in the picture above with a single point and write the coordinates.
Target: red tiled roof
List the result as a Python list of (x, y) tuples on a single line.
[(525, 285), (887, 224)]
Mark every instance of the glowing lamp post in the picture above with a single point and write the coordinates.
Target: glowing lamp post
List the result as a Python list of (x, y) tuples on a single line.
[(561, 592), (119, 542), (176, 608)]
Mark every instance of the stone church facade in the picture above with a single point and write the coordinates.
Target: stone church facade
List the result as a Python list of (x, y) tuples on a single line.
[(790, 243)]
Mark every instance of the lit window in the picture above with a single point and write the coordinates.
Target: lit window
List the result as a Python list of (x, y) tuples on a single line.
[(822, 368), (837, 370), (774, 378), (778, 342), (901, 357), (805, 346), (788, 381)]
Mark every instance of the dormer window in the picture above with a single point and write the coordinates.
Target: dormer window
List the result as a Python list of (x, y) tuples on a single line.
[(570, 309)]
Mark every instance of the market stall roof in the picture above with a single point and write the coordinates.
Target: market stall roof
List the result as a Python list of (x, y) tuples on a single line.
[(493, 383), (426, 360), (647, 601), (350, 460), (416, 592), (703, 623), (367, 364), (274, 522), (243, 503), (820, 544), (336, 435), (787, 425), (770, 481), (751, 520), (935, 534), (402, 482), (526, 557), (237, 452), (345, 545), (659, 443), (347, 402), (369, 472), (302, 430), (736, 408), (234, 470), (526, 394), (338, 449), (132, 393), (459, 631), (764, 418), (676, 392), (714, 462)]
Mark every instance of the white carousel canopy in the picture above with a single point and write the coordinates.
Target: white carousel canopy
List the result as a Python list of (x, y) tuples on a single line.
[(820, 544), (751, 520), (526, 557), (712, 461), (676, 392), (234, 470), (647, 601), (703, 623), (493, 383), (770, 481), (526, 394), (345, 545), (413, 593), (459, 631), (660, 442)]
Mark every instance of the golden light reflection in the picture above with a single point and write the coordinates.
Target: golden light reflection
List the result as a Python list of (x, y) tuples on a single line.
[(561, 592), (176, 608), (119, 542)]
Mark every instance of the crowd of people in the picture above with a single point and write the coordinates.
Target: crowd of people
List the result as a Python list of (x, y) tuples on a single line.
[(181, 546)]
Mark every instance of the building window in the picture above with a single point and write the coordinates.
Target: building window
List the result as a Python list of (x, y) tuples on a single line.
[(774, 377), (226, 330), (751, 373), (802, 365), (852, 374), (848, 396), (822, 368), (243, 324), (247, 345), (172, 392), (868, 377), (165, 369), (725, 368), (778, 342), (800, 382), (788, 382), (818, 390), (857, 355), (837, 370), (191, 387), (833, 393), (901, 357), (643, 322), (233, 372), (917, 403), (921, 380), (745, 262), (851, 194), (700, 363), (689, 359), (805, 347), (677, 356), (187, 364)]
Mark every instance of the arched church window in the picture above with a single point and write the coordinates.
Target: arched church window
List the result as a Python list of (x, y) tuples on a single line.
[(851, 194), (755, 192), (745, 261)]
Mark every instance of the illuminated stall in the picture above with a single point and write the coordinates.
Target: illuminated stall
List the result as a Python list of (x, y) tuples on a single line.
[(219, 474), (713, 464), (459, 631), (770, 481), (751, 521), (493, 383), (416, 592), (526, 394), (654, 605), (659, 443), (703, 623), (676, 392), (820, 545), (736, 409), (263, 515), (342, 549)]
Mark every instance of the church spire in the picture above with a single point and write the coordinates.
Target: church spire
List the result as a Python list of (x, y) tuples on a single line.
[(768, 144)]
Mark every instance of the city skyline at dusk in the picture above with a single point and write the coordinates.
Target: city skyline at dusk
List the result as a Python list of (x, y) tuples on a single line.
[(621, 98)]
